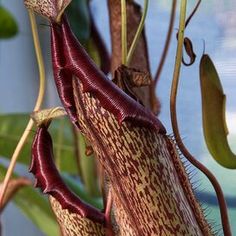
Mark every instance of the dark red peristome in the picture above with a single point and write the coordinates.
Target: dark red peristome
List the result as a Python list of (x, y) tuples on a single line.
[(63, 78), (50, 181), (77, 62)]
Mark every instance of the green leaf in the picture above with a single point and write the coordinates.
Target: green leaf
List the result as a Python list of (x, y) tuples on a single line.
[(8, 25), (12, 127), (213, 114), (35, 207), (78, 14)]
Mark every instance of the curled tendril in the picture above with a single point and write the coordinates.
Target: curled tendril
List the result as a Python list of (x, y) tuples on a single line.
[(174, 121), (188, 46)]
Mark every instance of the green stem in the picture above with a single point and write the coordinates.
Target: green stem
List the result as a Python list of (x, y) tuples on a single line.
[(138, 33), (178, 59), (36, 108), (174, 122), (124, 32)]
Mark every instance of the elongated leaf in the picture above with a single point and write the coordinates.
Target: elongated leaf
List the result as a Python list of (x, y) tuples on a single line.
[(12, 127), (8, 25), (213, 114), (35, 207)]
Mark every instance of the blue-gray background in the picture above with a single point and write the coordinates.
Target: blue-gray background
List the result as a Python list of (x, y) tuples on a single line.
[(215, 22)]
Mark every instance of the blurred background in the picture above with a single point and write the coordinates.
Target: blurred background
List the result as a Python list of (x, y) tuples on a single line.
[(215, 23)]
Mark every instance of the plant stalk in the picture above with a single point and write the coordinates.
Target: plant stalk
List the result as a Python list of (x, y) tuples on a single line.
[(174, 122), (37, 105), (138, 33)]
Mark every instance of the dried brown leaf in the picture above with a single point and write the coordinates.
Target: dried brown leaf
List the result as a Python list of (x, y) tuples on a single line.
[(140, 59)]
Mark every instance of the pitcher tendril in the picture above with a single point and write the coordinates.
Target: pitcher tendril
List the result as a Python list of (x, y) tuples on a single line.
[(37, 106), (174, 121), (192, 13)]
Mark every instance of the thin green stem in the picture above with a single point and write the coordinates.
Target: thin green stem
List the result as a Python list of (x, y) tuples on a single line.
[(138, 33), (37, 106), (178, 58), (124, 32), (174, 122)]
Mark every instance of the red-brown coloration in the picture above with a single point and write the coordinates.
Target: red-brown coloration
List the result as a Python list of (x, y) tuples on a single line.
[(88, 150), (49, 180), (190, 52), (72, 224), (151, 191), (63, 78), (129, 78), (152, 194), (193, 13), (188, 46), (75, 61), (140, 58)]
